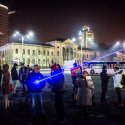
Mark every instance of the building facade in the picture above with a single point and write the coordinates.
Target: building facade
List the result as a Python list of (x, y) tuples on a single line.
[(86, 36), (56, 51), (3, 25)]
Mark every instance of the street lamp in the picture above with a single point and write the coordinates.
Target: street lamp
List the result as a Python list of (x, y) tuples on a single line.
[(81, 38), (73, 39), (28, 35)]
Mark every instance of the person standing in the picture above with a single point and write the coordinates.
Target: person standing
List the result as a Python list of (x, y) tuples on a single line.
[(22, 77), (117, 85), (104, 83), (57, 87), (5, 86), (15, 77), (73, 77), (35, 85), (81, 95)]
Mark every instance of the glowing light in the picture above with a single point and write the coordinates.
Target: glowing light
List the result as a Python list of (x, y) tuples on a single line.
[(80, 33), (117, 43), (80, 37), (11, 12), (16, 34), (30, 34), (73, 39), (124, 44), (37, 81), (106, 55), (3, 6)]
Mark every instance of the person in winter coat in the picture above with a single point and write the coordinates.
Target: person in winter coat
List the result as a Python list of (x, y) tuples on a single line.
[(5, 86), (35, 84), (84, 100), (22, 77), (15, 77), (117, 85), (57, 87), (104, 83)]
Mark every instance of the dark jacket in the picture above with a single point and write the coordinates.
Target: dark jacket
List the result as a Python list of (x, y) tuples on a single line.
[(14, 73), (34, 82), (104, 78), (57, 81), (22, 75)]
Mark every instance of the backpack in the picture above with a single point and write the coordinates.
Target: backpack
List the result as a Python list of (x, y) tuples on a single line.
[(123, 80)]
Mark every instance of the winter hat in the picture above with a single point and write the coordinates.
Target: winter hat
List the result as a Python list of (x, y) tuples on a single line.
[(53, 67), (104, 67), (15, 64)]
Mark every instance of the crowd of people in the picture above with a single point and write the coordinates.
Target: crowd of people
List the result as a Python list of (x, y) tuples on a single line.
[(83, 86), (33, 82)]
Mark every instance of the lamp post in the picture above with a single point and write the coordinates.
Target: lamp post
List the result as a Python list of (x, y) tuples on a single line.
[(82, 39), (28, 35)]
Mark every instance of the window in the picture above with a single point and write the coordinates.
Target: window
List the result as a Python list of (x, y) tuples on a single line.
[(74, 54), (28, 51), (48, 53), (16, 51), (57, 53), (51, 53), (24, 60), (44, 53), (87, 55), (33, 52), (23, 51), (28, 61), (44, 61), (33, 61), (38, 61), (39, 52)]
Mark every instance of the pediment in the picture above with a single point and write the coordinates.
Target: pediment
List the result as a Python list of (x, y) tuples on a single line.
[(70, 43)]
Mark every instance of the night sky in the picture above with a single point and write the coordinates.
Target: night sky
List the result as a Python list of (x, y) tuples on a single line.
[(51, 19)]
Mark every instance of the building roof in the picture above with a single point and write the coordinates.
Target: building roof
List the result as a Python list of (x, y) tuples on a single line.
[(89, 49), (59, 39), (35, 43)]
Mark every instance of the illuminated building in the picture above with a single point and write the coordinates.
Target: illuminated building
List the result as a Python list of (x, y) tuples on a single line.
[(3, 24), (86, 37), (56, 51)]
